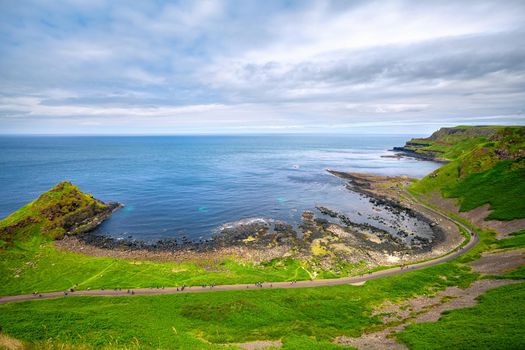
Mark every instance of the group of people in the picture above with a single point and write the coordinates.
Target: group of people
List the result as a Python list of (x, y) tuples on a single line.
[(260, 285)]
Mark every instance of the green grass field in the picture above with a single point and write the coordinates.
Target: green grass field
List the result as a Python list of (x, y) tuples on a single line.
[(302, 318), (308, 318), (495, 323), (27, 267)]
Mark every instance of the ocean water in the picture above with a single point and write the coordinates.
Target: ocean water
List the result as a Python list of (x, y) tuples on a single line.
[(174, 186)]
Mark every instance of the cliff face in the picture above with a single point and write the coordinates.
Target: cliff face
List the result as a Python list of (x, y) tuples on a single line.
[(62, 210), (447, 143), (463, 132)]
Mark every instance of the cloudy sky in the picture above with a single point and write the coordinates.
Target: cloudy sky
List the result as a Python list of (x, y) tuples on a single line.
[(192, 67)]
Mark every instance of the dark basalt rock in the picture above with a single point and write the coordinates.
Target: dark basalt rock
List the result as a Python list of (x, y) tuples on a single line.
[(85, 221), (327, 211), (362, 186), (260, 234)]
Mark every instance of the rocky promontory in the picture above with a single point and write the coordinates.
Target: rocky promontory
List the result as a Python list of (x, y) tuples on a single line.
[(63, 210), (437, 147)]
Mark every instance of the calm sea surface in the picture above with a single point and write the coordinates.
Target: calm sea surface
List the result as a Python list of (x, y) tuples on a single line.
[(191, 185)]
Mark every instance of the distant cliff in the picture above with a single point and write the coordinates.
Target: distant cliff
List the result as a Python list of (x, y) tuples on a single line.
[(447, 143), (486, 165)]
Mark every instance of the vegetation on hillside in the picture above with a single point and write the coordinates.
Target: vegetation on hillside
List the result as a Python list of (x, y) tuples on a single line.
[(487, 166), (450, 143), (304, 318), (495, 323), (63, 209), (26, 267)]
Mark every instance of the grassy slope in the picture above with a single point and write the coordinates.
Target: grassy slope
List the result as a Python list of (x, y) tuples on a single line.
[(50, 215), (302, 318), (483, 170), (28, 256), (516, 240), (495, 323), (26, 268)]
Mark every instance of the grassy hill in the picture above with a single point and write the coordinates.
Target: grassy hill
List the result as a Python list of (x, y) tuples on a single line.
[(63, 209), (486, 165)]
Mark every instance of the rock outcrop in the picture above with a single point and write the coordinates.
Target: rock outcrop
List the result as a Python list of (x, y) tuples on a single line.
[(63, 210)]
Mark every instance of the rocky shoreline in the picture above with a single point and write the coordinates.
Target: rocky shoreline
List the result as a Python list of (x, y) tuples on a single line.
[(324, 240), (414, 151), (364, 184)]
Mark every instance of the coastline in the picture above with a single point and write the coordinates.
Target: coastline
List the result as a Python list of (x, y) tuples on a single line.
[(256, 243), (356, 280)]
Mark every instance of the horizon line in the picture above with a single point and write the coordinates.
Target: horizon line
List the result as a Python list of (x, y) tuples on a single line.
[(208, 134)]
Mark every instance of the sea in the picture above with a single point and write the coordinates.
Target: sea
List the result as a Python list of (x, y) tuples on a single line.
[(195, 186)]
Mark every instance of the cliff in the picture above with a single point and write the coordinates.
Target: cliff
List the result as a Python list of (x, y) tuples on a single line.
[(448, 143), (486, 165)]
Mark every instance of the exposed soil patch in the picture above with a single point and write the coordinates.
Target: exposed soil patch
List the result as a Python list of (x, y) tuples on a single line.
[(9, 343), (477, 216), (397, 316), (499, 262), (259, 345)]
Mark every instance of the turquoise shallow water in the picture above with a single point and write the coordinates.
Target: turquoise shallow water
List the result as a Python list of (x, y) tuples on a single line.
[(191, 185)]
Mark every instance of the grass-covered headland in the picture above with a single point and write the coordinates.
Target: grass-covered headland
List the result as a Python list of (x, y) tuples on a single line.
[(485, 167), (30, 262), (62, 210)]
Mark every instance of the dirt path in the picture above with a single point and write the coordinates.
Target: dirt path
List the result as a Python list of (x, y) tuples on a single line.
[(419, 309), (356, 280)]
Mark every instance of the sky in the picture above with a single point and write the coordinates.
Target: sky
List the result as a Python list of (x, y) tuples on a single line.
[(234, 67)]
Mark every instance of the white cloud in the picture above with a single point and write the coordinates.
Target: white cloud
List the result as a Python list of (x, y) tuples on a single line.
[(227, 65)]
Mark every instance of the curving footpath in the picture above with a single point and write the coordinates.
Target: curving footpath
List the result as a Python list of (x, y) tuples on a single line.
[(355, 280)]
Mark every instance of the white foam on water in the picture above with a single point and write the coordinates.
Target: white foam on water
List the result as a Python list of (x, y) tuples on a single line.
[(245, 222)]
